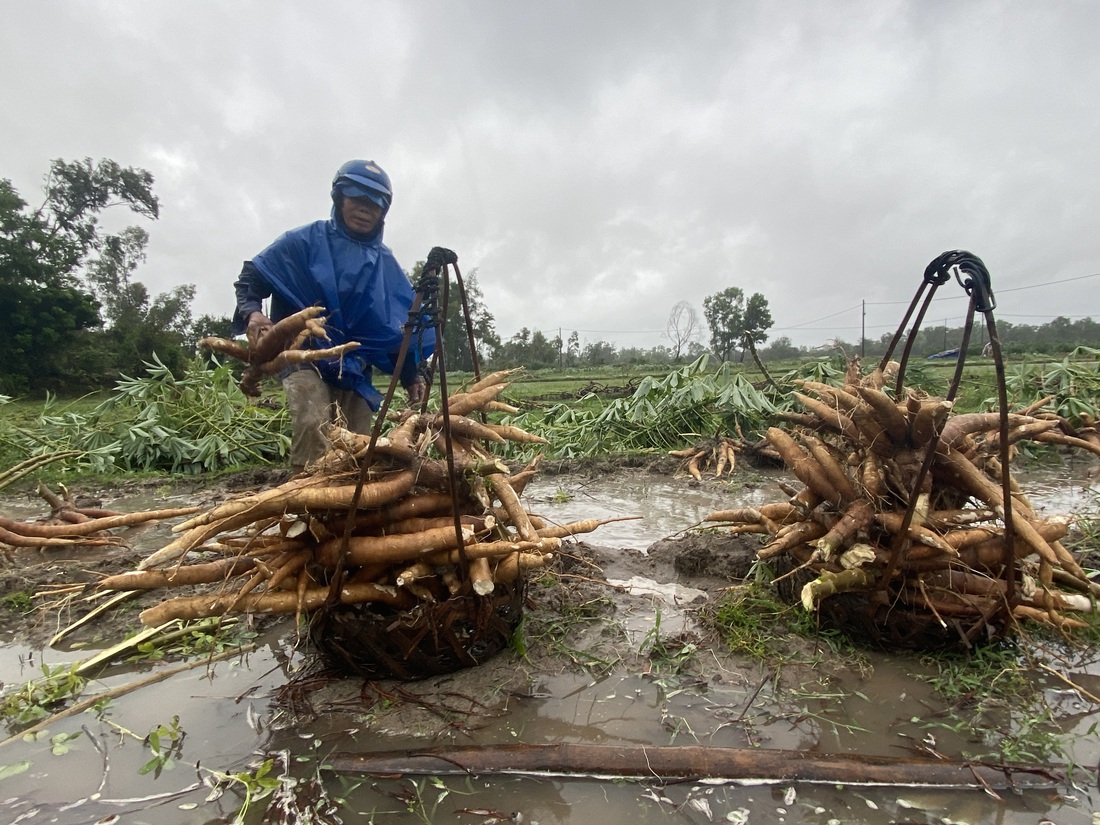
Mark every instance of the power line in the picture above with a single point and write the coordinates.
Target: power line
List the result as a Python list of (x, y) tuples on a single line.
[(995, 291), (823, 318)]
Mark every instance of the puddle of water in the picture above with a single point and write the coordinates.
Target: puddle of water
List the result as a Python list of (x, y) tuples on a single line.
[(668, 506), (225, 714)]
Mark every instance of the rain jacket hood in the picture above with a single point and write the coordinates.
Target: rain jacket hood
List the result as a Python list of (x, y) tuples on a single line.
[(362, 288)]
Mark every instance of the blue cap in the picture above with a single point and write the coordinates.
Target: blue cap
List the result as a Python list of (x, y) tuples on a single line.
[(351, 189)]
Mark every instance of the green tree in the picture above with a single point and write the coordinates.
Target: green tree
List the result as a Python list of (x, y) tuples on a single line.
[(528, 349), (780, 349), (573, 349), (210, 326), (734, 323), (456, 334), (47, 298), (755, 324), (160, 325), (598, 353), (725, 314)]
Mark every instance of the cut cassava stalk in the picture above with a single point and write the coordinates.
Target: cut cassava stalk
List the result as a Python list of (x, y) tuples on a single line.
[(694, 762), (31, 464), (829, 584)]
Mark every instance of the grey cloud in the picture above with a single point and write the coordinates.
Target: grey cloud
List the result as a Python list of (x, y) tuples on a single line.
[(596, 163)]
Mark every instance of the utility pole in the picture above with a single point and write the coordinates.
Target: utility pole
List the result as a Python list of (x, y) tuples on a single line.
[(863, 331), (559, 350)]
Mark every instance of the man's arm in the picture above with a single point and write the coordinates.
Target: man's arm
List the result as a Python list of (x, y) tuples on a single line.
[(251, 290)]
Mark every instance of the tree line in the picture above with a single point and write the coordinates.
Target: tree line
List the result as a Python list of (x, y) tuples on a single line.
[(76, 318)]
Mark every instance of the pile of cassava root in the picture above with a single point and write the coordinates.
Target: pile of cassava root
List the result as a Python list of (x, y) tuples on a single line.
[(279, 550), (859, 451)]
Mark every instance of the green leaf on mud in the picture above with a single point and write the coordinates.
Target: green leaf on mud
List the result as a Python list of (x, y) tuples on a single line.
[(13, 770)]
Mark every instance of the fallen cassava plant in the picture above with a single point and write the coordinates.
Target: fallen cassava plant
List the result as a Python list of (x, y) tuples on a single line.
[(410, 522), (901, 519)]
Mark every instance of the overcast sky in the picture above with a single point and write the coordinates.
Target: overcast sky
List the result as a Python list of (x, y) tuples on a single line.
[(597, 162)]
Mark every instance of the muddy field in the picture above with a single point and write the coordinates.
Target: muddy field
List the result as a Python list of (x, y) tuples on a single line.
[(614, 651)]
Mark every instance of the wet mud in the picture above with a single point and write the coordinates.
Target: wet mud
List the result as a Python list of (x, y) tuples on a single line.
[(614, 648)]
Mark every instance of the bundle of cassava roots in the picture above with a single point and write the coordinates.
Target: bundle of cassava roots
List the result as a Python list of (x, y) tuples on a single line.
[(410, 527), (861, 455)]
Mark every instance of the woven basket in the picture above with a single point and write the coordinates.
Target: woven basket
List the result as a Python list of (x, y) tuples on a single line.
[(431, 639)]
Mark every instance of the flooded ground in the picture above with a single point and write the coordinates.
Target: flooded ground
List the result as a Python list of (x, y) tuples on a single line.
[(585, 678)]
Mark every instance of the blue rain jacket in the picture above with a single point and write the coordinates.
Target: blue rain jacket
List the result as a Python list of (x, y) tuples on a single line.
[(364, 292)]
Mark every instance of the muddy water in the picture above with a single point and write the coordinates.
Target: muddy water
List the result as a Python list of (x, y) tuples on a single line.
[(226, 712)]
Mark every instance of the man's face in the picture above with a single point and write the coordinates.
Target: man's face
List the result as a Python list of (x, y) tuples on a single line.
[(360, 215)]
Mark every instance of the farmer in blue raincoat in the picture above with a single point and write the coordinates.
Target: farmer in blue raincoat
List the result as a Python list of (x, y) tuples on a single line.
[(342, 265)]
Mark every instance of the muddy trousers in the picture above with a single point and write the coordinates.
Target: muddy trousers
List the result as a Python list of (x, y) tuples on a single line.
[(313, 404)]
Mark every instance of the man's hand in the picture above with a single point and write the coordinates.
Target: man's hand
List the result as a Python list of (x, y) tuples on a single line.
[(259, 325), (418, 391)]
